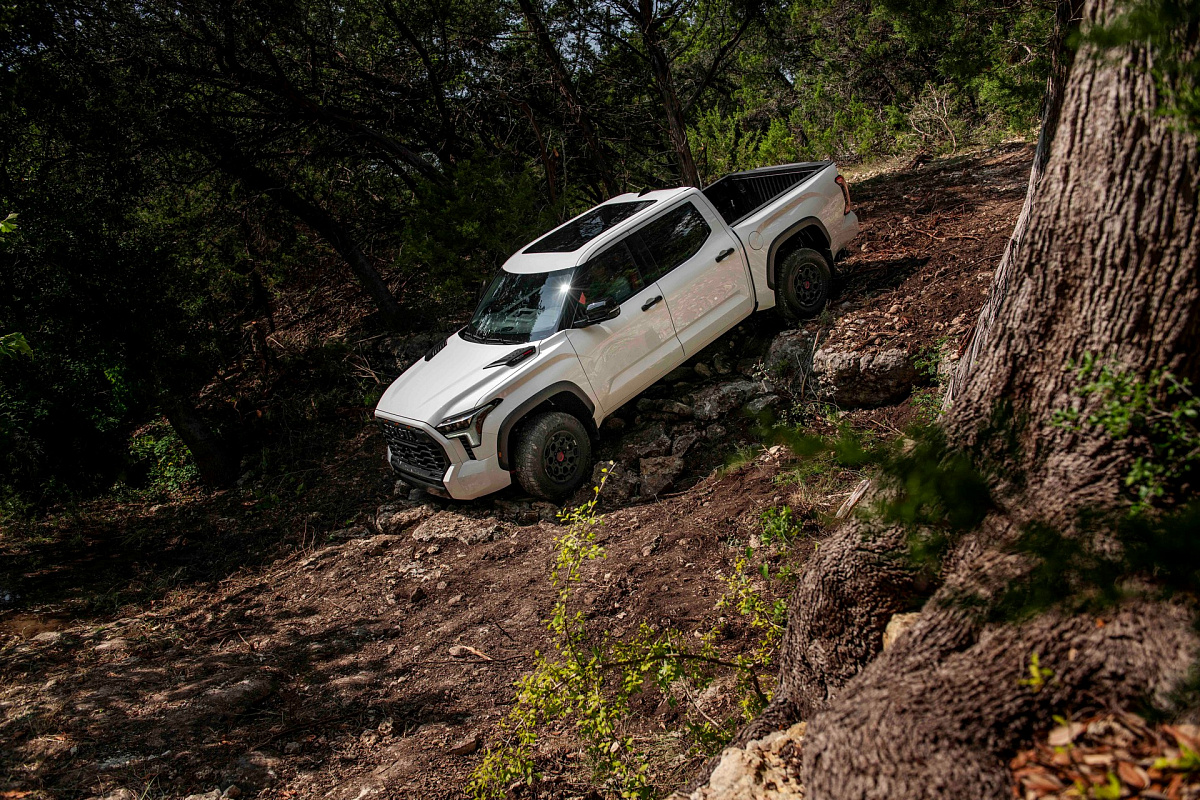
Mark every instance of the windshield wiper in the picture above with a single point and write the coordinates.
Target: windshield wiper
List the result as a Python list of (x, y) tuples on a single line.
[(492, 339)]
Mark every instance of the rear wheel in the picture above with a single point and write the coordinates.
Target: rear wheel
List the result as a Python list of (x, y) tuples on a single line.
[(803, 284), (553, 455)]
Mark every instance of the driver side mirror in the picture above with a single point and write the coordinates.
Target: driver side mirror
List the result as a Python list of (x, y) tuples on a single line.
[(599, 311)]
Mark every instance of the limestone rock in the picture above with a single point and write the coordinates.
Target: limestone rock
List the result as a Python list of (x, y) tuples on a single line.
[(716, 401), (546, 511), (760, 404), (659, 474), (897, 626), (766, 769), (464, 747), (853, 379), (355, 532), (647, 443), (621, 486), (395, 517), (518, 511), (683, 442), (790, 358), (236, 697), (451, 525)]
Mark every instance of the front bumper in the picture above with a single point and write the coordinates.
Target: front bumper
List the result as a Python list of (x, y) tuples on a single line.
[(422, 456)]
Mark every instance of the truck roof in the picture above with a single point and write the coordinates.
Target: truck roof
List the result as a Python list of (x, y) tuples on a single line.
[(577, 239)]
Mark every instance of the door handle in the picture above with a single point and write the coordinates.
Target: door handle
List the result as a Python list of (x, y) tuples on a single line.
[(651, 303), (724, 254)]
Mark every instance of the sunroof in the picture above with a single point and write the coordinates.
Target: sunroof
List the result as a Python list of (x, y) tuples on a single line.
[(578, 232)]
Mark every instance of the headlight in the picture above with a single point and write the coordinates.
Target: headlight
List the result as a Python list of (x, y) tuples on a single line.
[(468, 426)]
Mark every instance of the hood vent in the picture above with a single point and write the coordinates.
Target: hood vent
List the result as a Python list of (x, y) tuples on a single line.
[(513, 358), (437, 348)]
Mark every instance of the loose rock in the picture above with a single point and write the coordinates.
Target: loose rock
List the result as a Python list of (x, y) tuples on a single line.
[(396, 517), (854, 379), (659, 474), (450, 525), (464, 747), (716, 401)]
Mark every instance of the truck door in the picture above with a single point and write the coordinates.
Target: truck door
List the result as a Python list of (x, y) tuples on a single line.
[(701, 269), (623, 355)]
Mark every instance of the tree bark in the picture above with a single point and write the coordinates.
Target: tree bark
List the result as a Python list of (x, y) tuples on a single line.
[(660, 69), (1066, 22), (1108, 263), (325, 226)]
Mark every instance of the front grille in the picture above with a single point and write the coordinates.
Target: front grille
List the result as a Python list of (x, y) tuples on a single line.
[(415, 451)]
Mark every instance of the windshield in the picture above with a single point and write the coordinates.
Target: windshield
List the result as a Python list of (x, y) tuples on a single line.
[(520, 308)]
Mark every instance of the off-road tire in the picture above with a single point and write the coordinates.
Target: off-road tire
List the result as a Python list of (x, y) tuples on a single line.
[(803, 284), (553, 456)]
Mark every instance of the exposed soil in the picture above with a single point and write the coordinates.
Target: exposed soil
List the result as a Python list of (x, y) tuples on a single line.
[(272, 638)]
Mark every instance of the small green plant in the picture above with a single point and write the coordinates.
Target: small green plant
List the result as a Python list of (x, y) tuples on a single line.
[(779, 525), (743, 455), (13, 345), (589, 679), (928, 401), (929, 359), (1038, 675), (1109, 790), (1187, 761), (170, 467), (1161, 409)]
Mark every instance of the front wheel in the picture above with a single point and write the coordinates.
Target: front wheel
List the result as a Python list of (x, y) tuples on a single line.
[(803, 284), (553, 455)]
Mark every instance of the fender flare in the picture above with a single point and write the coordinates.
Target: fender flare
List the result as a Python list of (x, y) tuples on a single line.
[(521, 411), (783, 238)]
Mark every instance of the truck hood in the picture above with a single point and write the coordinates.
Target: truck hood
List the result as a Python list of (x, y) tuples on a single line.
[(451, 382)]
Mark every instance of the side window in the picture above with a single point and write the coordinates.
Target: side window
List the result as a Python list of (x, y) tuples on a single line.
[(675, 237), (612, 275)]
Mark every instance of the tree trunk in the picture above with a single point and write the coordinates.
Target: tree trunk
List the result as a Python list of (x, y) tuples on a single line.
[(325, 226), (1108, 263), (217, 461), (566, 87), (1066, 22), (660, 69)]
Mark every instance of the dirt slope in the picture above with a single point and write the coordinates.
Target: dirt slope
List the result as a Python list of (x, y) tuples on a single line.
[(354, 662)]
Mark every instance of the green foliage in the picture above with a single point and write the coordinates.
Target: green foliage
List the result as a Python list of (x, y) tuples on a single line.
[(13, 345), (484, 213), (165, 458), (1188, 761), (933, 490), (740, 457), (1159, 410), (591, 678), (1039, 676), (1109, 790), (779, 525)]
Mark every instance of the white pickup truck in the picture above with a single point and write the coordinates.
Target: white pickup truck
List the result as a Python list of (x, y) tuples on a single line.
[(588, 316)]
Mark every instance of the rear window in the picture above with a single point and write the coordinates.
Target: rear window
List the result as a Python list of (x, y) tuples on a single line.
[(674, 237), (581, 230)]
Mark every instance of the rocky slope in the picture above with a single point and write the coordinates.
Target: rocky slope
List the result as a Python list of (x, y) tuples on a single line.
[(376, 658)]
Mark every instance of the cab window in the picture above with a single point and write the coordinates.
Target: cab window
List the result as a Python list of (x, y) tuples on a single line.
[(674, 237), (611, 275)]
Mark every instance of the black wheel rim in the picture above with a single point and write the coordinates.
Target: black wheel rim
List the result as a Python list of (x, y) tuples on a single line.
[(561, 457), (806, 285)]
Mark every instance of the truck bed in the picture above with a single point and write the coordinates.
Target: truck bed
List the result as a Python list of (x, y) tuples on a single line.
[(739, 195)]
